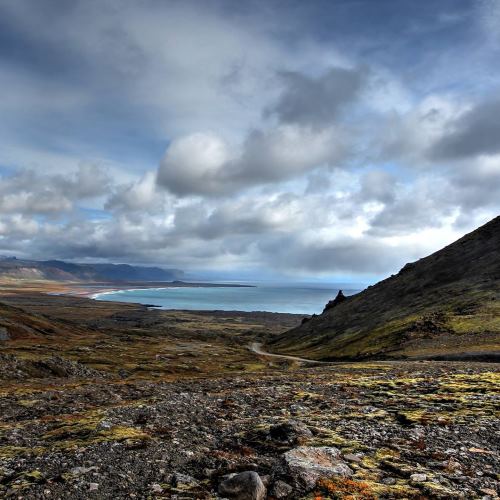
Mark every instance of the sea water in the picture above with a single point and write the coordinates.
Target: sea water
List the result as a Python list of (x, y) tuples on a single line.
[(284, 298)]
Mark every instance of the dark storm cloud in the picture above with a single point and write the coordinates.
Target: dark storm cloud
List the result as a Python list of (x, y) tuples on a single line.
[(476, 132), (318, 101)]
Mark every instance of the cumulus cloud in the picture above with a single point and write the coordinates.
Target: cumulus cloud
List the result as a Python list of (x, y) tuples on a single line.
[(28, 192), (309, 135), (197, 163), (204, 164), (138, 196)]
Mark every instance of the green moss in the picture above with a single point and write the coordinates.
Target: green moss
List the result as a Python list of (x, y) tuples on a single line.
[(17, 451), (84, 431)]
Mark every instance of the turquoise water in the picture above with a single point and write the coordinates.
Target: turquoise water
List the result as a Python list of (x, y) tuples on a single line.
[(298, 298)]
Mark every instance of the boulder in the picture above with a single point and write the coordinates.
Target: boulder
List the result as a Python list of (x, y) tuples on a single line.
[(306, 464), (281, 490), (291, 432), (244, 486)]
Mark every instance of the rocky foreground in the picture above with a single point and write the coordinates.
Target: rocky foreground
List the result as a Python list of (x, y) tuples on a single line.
[(101, 400), (359, 431)]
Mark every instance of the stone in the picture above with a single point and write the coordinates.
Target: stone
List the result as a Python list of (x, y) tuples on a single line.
[(4, 334), (243, 486), (351, 457), (306, 464), (418, 478), (156, 488), (77, 471), (281, 489), (389, 481), (93, 486), (183, 481), (290, 432), (104, 425)]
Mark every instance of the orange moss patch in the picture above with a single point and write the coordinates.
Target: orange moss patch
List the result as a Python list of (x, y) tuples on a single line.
[(341, 488)]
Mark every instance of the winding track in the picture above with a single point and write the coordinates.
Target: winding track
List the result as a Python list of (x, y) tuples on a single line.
[(256, 347)]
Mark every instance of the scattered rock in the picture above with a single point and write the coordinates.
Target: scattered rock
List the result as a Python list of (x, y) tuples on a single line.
[(418, 478), (4, 334), (389, 481), (244, 486), (156, 488), (78, 471), (281, 489), (351, 457), (306, 464), (183, 481), (291, 432), (104, 426)]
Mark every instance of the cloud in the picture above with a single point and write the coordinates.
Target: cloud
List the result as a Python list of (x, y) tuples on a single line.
[(195, 164), (341, 255), (378, 185), (28, 192), (317, 102), (203, 164), (210, 135), (141, 195), (408, 137), (475, 132)]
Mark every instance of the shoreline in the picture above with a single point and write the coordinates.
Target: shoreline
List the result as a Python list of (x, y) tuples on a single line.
[(92, 290)]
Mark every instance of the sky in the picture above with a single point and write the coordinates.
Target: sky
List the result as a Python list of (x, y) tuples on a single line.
[(329, 139)]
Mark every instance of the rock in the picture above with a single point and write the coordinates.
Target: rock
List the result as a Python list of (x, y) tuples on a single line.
[(183, 481), (93, 486), (244, 486), (281, 489), (78, 471), (389, 481), (290, 432), (4, 334), (104, 425), (306, 464), (351, 457), (418, 478), (336, 301), (156, 488)]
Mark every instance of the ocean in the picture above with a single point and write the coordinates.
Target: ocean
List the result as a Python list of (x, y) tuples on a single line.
[(285, 298)]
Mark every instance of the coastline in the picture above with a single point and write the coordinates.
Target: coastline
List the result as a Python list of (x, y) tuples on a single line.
[(93, 290)]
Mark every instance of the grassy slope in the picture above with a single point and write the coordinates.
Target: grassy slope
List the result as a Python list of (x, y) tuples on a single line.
[(447, 303)]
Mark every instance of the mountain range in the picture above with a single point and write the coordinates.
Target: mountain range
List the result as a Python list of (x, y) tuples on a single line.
[(57, 270)]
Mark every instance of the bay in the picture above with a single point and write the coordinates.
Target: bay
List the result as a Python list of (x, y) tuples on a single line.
[(300, 298)]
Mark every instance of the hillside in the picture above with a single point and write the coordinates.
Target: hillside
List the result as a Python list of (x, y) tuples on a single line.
[(444, 305), (57, 270)]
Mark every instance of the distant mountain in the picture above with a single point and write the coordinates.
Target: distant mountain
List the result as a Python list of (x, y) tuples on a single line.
[(67, 271), (446, 306)]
